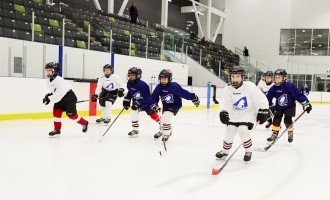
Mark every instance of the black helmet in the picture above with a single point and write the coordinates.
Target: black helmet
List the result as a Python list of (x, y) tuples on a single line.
[(165, 73), (55, 68), (269, 73), (107, 66), (136, 71), (281, 72), (237, 69)]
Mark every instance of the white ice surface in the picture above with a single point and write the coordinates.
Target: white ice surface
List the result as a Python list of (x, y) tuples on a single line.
[(77, 166)]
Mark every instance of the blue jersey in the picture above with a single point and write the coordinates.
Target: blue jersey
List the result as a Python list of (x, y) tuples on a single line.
[(139, 91), (286, 95), (304, 90), (171, 96)]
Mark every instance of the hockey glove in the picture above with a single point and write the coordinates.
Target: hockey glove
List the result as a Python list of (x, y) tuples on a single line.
[(155, 108), (224, 117), (262, 115), (307, 107), (135, 105), (46, 99), (121, 92), (126, 103), (196, 101), (94, 97)]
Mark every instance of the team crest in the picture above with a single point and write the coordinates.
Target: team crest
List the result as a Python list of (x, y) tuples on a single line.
[(137, 96), (283, 100), (241, 104), (168, 98)]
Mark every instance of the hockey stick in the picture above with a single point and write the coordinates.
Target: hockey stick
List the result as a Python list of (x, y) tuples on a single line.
[(216, 171), (271, 144), (111, 124), (164, 153), (91, 100)]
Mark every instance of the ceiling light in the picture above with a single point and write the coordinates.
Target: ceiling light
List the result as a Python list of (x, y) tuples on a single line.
[(319, 35)]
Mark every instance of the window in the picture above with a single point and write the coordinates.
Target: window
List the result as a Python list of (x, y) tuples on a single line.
[(303, 42), (287, 42), (320, 42)]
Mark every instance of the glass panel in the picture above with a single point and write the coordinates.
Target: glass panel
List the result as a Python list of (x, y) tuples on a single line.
[(320, 42), (287, 41), (303, 42)]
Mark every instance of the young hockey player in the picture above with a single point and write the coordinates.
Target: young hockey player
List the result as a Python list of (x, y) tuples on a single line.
[(265, 88), (243, 105), (171, 94), (305, 90), (139, 94), (286, 94), (108, 88), (63, 97)]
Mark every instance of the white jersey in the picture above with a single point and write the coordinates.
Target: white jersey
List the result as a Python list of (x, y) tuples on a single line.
[(264, 87), (112, 83), (243, 103), (59, 88)]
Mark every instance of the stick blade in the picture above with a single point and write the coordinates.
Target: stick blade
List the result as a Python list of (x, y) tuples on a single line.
[(215, 171), (260, 149)]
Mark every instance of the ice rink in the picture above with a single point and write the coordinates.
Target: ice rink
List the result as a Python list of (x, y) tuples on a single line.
[(77, 166)]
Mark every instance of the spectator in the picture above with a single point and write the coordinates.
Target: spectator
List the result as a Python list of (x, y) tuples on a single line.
[(203, 41), (246, 52), (193, 35), (327, 89), (133, 12)]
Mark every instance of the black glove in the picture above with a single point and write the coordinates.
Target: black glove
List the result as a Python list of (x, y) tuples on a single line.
[(121, 92), (94, 97), (46, 100), (262, 115), (224, 117), (126, 103), (155, 108), (135, 105), (196, 101), (307, 107)]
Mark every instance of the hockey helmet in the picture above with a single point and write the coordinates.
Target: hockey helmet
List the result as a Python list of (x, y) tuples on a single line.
[(237, 69), (55, 68), (165, 73), (281, 72), (136, 71)]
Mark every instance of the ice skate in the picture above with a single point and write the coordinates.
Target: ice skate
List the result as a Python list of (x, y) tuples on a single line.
[(221, 156), (272, 137), (158, 135), (107, 121), (85, 127), (99, 120), (133, 133), (165, 138), (290, 136), (268, 124), (54, 133), (247, 156)]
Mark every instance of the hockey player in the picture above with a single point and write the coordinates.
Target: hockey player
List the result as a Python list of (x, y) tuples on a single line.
[(305, 90), (262, 83), (268, 83), (171, 94), (286, 94), (243, 105), (63, 97), (139, 95), (108, 88)]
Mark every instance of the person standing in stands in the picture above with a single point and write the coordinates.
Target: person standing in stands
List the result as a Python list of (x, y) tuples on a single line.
[(133, 12), (246, 52)]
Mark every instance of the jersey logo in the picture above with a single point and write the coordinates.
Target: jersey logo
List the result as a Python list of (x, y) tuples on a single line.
[(168, 98), (110, 86), (137, 96), (241, 104), (283, 100)]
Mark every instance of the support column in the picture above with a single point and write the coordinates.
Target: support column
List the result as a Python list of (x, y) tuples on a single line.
[(164, 13), (110, 6), (97, 4), (208, 20)]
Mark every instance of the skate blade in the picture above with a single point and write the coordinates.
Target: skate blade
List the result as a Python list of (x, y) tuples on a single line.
[(54, 136), (133, 136)]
